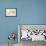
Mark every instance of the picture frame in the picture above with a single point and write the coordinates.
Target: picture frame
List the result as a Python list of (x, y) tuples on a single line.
[(11, 12), (39, 28)]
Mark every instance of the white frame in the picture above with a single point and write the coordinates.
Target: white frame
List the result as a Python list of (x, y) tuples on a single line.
[(20, 27)]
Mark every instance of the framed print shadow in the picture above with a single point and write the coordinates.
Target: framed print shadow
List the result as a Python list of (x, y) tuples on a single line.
[(11, 12)]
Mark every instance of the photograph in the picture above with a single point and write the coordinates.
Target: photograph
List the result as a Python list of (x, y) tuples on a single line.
[(10, 12)]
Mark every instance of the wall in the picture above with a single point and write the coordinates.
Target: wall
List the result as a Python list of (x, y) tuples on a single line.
[(28, 12)]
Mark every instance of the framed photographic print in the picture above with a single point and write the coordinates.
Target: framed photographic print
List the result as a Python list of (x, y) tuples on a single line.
[(11, 12), (33, 32)]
